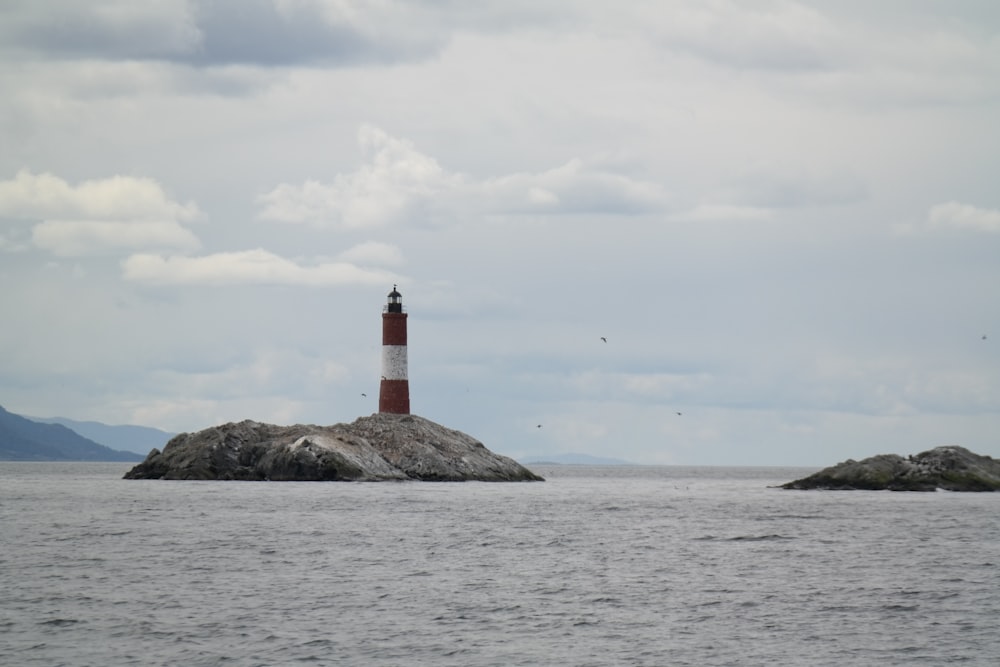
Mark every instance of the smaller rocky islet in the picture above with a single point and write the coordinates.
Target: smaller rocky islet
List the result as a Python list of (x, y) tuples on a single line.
[(950, 468), (379, 447)]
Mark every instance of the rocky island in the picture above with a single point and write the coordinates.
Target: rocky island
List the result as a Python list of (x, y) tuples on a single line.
[(949, 468), (380, 447)]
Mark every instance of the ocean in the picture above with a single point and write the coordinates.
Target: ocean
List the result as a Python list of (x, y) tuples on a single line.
[(616, 565)]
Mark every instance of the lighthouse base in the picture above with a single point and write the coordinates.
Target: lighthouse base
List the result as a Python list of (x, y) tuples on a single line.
[(394, 397)]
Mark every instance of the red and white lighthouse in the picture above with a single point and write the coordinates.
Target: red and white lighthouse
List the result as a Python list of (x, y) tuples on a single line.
[(394, 392)]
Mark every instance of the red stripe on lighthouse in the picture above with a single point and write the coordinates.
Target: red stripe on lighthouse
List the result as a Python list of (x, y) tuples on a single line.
[(394, 328)]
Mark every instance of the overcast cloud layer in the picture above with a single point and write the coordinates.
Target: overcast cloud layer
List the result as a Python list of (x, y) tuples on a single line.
[(782, 217)]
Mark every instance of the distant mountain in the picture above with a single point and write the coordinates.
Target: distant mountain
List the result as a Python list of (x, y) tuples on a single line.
[(22, 439), (577, 459), (138, 439)]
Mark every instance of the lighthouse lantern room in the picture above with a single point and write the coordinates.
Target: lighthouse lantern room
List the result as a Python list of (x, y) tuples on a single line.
[(394, 390)]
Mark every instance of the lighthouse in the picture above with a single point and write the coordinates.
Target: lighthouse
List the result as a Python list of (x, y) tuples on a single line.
[(394, 391)]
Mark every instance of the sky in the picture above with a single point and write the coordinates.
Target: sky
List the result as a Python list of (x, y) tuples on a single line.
[(782, 216)]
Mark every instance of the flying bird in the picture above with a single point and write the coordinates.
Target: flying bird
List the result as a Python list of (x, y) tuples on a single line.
[(984, 336), (606, 340), (364, 394), (679, 414), (539, 426)]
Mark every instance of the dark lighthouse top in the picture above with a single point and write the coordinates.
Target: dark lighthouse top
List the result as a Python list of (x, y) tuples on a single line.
[(395, 302)]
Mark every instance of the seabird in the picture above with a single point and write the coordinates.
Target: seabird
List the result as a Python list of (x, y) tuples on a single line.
[(678, 414), (539, 426), (364, 394), (604, 339)]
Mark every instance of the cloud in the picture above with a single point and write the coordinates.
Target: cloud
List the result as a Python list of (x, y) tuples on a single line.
[(373, 252), (63, 88), (45, 196), (764, 191), (881, 55), (269, 369), (98, 217), (269, 33), (576, 187), (248, 267), (227, 32), (398, 184), (99, 29), (777, 35), (963, 216), (286, 32), (789, 186), (74, 238), (885, 55)]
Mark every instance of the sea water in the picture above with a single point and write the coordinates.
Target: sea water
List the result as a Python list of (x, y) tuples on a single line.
[(596, 566)]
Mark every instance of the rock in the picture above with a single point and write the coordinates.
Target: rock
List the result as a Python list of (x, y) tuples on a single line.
[(379, 447), (949, 468)]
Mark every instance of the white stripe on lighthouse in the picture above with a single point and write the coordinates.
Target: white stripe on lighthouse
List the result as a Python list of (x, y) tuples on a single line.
[(394, 362)]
